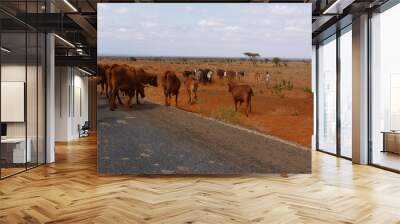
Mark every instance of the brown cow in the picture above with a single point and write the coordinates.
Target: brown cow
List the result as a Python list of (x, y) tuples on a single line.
[(109, 86), (230, 75), (146, 79), (241, 93), (101, 77), (220, 73), (191, 86), (171, 85), (129, 80)]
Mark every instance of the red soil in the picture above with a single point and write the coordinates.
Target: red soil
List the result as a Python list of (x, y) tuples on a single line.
[(289, 117)]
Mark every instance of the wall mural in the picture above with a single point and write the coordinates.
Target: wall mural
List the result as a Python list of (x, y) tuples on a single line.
[(204, 89)]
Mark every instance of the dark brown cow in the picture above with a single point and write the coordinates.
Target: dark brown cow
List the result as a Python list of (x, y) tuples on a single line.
[(171, 85), (220, 73), (241, 93)]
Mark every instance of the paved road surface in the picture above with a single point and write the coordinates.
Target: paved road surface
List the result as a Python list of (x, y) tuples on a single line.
[(154, 139)]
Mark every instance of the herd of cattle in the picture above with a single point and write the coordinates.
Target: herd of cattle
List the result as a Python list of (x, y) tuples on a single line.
[(206, 75), (119, 79)]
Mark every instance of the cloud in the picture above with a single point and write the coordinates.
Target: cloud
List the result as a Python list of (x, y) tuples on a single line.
[(121, 10), (204, 30), (210, 23), (232, 28), (122, 29), (293, 29), (188, 9), (149, 24)]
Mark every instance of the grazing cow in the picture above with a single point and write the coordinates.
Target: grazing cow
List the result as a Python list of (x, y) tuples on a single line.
[(241, 93), (191, 86), (171, 85), (188, 73), (209, 75), (230, 75), (204, 75), (220, 73), (198, 73), (101, 77), (240, 75), (146, 79), (128, 80)]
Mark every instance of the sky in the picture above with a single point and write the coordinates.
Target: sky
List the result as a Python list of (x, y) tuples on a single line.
[(204, 30)]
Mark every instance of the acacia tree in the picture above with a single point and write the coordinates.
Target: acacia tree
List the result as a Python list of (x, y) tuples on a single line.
[(276, 61), (252, 56)]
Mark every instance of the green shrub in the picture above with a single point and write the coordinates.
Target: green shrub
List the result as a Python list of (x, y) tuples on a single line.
[(227, 114), (279, 88), (307, 90)]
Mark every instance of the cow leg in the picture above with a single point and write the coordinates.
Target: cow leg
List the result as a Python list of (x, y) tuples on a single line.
[(102, 88), (107, 93), (137, 96), (112, 103), (235, 105), (130, 101), (247, 108), (167, 99), (190, 96), (176, 99), (119, 99), (250, 103)]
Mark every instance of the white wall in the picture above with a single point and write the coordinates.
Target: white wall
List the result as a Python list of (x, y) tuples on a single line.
[(70, 83), (12, 73), (33, 127)]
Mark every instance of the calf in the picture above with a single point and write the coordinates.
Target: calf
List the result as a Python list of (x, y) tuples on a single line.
[(191, 86), (171, 85), (241, 93)]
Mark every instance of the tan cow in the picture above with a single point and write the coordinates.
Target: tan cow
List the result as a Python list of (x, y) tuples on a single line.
[(191, 86)]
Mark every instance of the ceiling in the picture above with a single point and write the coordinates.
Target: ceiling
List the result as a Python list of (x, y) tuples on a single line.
[(76, 20)]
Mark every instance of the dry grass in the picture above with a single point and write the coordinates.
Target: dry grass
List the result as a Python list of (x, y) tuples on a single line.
[(282, 108)]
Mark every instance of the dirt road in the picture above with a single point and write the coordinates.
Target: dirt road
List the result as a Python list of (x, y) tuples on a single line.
[(154, 139)]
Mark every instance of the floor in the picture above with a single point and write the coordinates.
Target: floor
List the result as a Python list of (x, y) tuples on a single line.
[(387, 159), (71, 191), (155, 139)]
